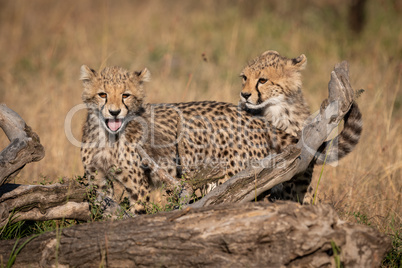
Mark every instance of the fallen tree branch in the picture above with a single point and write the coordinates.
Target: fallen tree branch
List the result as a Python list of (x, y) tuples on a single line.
[(40, 202), (275, 169), (247, 234), (250, 183), (252, 234), (24, 144)]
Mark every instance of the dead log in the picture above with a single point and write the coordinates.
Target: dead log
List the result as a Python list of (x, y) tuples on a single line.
[(248, 234), (275, 169), (239, 235), (40, 202), (24, 144)]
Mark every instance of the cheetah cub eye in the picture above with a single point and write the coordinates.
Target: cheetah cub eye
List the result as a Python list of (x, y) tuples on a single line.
[(262, 81), (103, 95)]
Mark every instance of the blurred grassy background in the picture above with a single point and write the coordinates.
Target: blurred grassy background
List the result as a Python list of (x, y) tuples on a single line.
[(195, 50)]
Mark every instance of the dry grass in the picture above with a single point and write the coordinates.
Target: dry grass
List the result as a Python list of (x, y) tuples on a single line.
[(44, 43)]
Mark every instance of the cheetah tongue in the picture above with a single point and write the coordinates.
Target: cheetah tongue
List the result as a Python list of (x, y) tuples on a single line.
[(114, 124)]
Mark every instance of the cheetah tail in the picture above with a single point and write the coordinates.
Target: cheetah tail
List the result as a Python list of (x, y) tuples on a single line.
[(346, 141)]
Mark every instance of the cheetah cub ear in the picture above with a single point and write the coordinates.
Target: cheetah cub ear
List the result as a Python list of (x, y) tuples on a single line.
[(270, 52), (300, 62), (143, 76), (87, 74)]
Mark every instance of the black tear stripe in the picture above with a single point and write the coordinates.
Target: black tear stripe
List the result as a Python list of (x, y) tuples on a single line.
[(103, 106), (125, 105), (259, 94)]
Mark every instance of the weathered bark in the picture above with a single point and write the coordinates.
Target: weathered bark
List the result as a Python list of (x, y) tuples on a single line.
[(250, 183), (248, 234), (238, 235), (40, 202), (24, 144)]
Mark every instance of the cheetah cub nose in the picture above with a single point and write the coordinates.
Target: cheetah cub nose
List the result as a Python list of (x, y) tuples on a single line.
[(114, 113), (245, 95)]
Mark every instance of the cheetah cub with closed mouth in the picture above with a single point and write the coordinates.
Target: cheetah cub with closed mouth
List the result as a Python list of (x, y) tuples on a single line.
[(272, 88)]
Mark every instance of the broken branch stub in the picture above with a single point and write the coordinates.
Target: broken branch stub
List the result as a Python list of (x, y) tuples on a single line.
[(24, 147)]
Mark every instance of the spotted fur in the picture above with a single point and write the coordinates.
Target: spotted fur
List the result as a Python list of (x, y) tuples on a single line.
[(272, 88), (183, 138)]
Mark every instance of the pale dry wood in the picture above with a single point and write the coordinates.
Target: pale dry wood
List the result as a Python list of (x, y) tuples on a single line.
[(230, 235), (43, 202), (245, 234), (32, 202), (275, 169), (24, 144)]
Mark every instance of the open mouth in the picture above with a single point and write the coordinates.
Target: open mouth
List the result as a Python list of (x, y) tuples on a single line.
[(114, 124)]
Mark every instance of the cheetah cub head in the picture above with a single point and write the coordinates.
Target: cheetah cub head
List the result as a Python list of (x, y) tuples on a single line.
[(269, 79), (113, 94)]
